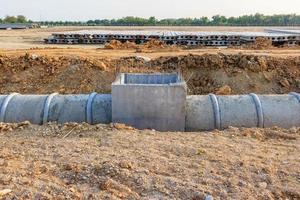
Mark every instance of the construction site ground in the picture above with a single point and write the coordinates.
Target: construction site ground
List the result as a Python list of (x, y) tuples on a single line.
[(79, 161)]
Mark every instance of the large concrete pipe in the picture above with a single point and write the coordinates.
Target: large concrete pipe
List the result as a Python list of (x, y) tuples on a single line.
[(219, 112), (202, 112), (40, 109)]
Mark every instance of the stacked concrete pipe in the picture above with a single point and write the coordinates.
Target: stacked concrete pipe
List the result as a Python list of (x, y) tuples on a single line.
[(202, 112)]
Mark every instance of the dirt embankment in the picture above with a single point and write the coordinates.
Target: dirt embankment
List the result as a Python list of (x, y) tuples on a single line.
[(207, 73), (79, 161)]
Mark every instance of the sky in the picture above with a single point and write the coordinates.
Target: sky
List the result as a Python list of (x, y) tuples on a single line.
[(82, 10)]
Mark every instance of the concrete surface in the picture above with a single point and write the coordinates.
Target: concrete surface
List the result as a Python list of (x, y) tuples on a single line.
[(153, 101), (162, 105), (62, 109), (241, 111)]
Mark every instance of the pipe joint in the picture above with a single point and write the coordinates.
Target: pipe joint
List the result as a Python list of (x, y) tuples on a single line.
[(259, 110)]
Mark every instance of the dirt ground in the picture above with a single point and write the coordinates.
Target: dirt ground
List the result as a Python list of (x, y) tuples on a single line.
[(79, 161)]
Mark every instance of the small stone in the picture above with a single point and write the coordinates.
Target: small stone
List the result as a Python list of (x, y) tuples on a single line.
[(102, 66), (126, 165), (25, 181), (284, 83), (298, 83), (72, 190), (105, 185), (5, 192), (209, 197), (5, 179), (34, 56), (267, 77), (120, 126), (15, 79), (142, 58), (62, 90), (225, 90), (233, 129), (263, 185), (2, 162), (293, 130), (242, 183)]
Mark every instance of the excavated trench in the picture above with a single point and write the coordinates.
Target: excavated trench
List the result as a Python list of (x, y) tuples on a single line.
[(220, 74)]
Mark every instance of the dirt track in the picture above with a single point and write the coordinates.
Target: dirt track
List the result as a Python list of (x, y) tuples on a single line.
[(103, 162)]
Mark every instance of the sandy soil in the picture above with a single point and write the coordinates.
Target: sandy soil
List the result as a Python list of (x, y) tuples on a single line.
[(78, 161)]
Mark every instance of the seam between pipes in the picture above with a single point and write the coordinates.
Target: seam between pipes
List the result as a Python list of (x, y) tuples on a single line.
[(216, 109), (89, 108), (259, 110), (47, 106), (4, 106), (296, 95)]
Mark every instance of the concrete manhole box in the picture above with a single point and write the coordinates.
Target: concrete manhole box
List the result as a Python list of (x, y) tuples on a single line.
[(149, 101)]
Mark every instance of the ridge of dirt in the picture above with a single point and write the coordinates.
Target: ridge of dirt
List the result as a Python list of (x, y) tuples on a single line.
[(32, 73)]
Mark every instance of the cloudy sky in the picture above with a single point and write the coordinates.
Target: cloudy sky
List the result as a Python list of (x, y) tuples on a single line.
[(97, 9)]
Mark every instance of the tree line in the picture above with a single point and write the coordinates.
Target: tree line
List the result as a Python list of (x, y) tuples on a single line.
[(217, 20), (15, 19)]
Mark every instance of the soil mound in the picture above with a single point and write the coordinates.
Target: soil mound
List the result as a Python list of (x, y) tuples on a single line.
[(154, 44), (261, 43), (115, 44), (205, 73)]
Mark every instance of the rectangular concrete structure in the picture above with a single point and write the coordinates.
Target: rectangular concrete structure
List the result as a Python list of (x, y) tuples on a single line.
[(149, 101)]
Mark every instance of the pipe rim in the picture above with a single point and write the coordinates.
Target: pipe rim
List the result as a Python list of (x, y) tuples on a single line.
[(216, 109), (259, 110), (5, 104), (296, 95)]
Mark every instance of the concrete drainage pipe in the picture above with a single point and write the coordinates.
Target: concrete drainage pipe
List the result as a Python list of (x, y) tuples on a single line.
[(40, 109), (219, 112), (202, 112)]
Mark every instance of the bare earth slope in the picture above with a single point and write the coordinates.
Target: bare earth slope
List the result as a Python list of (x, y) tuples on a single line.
[(205, 73)]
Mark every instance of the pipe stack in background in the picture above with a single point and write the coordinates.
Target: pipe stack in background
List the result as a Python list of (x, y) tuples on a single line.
[(180, 38)]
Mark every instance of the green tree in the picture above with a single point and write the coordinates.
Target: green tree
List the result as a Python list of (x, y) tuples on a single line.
[(21, 19), (217, 20), (152, 21), (10, 19)]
